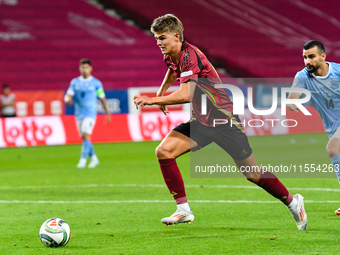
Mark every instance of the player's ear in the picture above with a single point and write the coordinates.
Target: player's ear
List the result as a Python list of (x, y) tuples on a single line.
[(177, 37), (323, 56)]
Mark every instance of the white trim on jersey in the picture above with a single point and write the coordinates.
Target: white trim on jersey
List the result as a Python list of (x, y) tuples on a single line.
[(336, 133), (326, 76), (81, 78)]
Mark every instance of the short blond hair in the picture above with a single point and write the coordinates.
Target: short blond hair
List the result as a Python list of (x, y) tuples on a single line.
[(168, 23)]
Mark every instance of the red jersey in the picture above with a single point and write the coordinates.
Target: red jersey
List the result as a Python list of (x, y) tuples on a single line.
[(194, 65)]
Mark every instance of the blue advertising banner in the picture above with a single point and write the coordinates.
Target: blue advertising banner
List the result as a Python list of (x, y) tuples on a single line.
[(117, 101)]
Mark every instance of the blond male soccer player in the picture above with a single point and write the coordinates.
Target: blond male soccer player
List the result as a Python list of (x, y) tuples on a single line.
[(187, 63), (321, 78), (83, 91)]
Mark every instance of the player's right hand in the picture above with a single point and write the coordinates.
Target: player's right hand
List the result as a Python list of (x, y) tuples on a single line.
[(292, 107), (68, 100)]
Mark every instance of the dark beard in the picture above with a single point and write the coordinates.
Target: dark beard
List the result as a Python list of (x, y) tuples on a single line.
[(313, 70)]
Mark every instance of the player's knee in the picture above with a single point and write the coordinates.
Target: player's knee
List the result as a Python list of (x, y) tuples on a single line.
[(253, 180), (86, 136), (332, 151), (253, 177), (162, 152)]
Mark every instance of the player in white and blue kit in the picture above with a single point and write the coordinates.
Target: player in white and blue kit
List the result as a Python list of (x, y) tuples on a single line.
[(322, 79), (83, 91)]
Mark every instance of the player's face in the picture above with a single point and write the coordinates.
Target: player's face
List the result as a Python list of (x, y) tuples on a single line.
[(313, 59), (6, 91), (167, 42), (85, 70)]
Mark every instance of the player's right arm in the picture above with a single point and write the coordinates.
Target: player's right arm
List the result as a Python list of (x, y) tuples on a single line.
[(293, 107), (299, 82), (168, 80), (69, 94)]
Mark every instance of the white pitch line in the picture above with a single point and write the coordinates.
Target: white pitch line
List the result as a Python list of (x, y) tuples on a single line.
[(151, 201), (82, 202), (155, 186)]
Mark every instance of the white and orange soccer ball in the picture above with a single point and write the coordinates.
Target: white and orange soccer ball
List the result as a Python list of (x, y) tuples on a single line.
[(55, 232)]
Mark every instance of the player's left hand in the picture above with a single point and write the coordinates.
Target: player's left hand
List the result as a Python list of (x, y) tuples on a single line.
[(142, 101), (108, 118)]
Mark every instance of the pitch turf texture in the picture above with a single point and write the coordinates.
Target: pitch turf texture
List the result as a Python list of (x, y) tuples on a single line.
[(113, 209)]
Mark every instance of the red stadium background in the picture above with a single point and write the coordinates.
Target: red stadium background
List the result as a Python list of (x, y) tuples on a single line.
[(42, 42)]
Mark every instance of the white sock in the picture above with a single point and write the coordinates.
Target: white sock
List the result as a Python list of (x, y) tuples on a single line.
[(292, 204), (183, 207), (94, 157)]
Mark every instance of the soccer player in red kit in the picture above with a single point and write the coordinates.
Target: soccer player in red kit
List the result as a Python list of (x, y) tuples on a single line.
[(187, 64)]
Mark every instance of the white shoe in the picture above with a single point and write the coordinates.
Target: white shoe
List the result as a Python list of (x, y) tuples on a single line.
[(299, 213), (179, 217), (93, 163), (82, 163)]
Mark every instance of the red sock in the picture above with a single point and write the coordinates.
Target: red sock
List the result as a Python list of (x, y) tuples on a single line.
[(173, 179), (270, 183)]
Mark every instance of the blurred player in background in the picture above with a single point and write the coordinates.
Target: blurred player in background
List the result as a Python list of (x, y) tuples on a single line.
[(83, 91), (187, 63), (321, 78), (7, 102)]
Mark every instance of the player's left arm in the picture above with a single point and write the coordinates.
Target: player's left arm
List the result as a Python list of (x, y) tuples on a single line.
[(180, 96), (101, 95)]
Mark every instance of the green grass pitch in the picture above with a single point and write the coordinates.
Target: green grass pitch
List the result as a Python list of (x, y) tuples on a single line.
[(113, 209)]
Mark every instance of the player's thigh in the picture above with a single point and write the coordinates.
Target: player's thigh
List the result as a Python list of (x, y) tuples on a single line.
[(186, 136), (233, 140), (86, 125), (198, 133), (173, 145)]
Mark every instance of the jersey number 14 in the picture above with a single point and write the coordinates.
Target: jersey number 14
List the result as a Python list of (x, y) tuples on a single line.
[(329, 103)]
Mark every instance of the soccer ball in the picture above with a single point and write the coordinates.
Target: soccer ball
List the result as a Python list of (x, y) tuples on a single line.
[(55, 233)]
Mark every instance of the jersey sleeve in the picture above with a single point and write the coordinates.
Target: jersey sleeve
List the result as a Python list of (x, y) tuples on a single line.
[(190, 66), (300, 81), (100, 90), (70, 90)]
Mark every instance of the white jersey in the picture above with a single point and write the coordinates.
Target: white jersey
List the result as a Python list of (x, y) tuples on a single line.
[(7, 110)]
